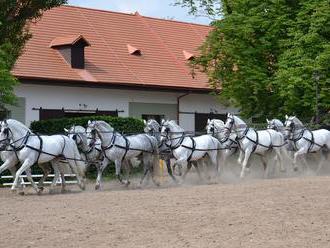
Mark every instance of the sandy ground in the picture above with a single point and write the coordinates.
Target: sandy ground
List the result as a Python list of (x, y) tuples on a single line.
[(291, 212)]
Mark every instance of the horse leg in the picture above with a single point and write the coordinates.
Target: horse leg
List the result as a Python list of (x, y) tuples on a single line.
[(45, 171), (26, 165), (145, 172), (189, 165), (240, 157), (169, 169), (264, 163), (128, 171), (118, 171), (100, 169), (196, 165), (73, 167), (324, 157), (8, 164), (245, 161), (29, 177), (300, 152), (13, 173)]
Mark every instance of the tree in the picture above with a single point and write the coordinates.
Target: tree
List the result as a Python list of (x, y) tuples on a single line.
[(263, 54), (14, 32)]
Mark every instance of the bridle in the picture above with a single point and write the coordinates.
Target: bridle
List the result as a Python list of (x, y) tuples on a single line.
[(167, 139)]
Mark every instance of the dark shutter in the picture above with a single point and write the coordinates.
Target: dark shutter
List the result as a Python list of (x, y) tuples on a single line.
[(45, 114), (78, 56), (201, 120)]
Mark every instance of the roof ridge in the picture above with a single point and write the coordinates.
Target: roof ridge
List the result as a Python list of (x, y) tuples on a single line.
[(157, 36), (106, 44), (133, 13)]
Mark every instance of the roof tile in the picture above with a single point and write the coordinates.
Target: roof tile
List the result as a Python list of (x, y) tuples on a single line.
[(163, 63)]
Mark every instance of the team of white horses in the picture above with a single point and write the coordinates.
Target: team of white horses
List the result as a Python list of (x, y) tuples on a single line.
[(99, 144)]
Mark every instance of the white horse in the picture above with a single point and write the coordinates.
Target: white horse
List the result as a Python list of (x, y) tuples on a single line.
[(216, 128), (11, 162), (251, 141), (121, 149), (91, 155), (305, 141), (31, 149), (153, 128), (188, 149)]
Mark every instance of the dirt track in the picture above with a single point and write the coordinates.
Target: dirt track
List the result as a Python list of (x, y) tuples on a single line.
[(261, 213)]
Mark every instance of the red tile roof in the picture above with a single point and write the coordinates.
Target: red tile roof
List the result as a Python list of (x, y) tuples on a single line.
[(162, 62), (68, 40)]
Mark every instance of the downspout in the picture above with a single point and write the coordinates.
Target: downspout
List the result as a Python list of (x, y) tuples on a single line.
[(178, 106)]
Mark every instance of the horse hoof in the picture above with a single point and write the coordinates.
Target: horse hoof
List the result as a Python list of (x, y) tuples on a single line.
[(97, 187), (127, 183), (21, 193)]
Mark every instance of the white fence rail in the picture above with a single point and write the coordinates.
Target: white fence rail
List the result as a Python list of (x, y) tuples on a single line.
[(24, 177)]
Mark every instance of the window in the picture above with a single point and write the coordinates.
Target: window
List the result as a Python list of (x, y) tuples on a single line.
[(78, 57), (45, 114), (201, 120)]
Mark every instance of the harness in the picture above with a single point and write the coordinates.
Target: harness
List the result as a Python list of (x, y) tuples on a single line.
[(256, 141), (301, 136), (126, 147)]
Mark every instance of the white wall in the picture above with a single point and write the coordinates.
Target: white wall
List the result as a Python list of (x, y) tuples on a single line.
[(56, 97)]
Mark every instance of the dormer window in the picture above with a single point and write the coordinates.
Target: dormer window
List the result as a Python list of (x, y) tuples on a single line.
[(187, 55), (133, 50), (72, 48)]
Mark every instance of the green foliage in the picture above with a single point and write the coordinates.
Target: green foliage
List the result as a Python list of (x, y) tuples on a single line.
[(14, 32), (263, 54), (56, 126)]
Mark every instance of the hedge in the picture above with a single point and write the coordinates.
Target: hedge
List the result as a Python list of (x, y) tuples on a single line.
[(56, 126)]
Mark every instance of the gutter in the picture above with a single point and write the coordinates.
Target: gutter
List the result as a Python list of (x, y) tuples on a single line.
[(178, 106)]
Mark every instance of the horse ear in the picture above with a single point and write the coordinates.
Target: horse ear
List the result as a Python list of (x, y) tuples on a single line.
[(66, 130), (145, 122), (267, 120), (163, 121), (286, 117), (208, 121), (89, 122), (5, 122)]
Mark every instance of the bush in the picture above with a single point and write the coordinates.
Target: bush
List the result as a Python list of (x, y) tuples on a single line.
[(56, 126)]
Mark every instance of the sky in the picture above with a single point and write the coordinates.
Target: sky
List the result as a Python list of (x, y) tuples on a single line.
[(154, 8)]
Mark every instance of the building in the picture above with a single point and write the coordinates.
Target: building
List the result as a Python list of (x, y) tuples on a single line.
[(84, 61)]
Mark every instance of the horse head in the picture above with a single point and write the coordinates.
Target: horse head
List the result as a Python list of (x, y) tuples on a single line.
[(151, 127), (5, 135), (214, 126), (275, 124)]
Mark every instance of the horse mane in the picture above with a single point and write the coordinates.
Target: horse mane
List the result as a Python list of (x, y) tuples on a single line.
[(78, 129), (173, 124), (155, 125), (278, 121), (296, 121), (104, 125), (217, 122), (15, 123), (236, 118)]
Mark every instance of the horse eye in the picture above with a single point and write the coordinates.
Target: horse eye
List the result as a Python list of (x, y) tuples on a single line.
[(160, 129), (6, 131), (167, 129), (74, 136)]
